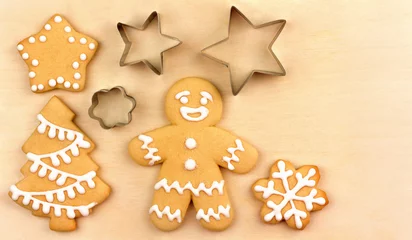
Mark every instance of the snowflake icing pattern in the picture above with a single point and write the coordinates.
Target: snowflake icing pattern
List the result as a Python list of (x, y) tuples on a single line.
[(289, 192)]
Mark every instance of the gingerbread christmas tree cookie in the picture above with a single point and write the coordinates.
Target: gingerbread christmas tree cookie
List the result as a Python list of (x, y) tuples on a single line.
[(191, 150), (60, 179), (290, 194), (57, 56)]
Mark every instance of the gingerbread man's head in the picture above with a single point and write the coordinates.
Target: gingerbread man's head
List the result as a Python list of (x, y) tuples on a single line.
[(193, 101)]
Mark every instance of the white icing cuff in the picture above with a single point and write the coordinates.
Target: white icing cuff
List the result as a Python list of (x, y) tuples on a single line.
[(166, 211), (221, 210), (151, 150), (233, 156)]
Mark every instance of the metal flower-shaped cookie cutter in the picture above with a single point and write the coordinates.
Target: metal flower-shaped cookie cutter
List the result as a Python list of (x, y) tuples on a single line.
[(95, 102)]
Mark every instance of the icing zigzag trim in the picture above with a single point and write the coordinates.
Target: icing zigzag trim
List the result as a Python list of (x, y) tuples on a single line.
[(70, 210), (233, 156), (211, 213), (166, 211), (151, 150), (196, 191)]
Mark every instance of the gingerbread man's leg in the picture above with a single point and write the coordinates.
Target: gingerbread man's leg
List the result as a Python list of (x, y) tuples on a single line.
[(169, 208), (214, 210)]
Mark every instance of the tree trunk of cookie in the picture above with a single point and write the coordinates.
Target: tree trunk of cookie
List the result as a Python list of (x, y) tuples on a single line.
[(62, 224)]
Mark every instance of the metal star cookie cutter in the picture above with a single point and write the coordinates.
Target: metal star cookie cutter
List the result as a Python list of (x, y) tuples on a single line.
[(128, 43), (95, 102), (281, 73)]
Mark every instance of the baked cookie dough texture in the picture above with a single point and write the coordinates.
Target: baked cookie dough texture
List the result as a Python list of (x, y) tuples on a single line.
[(191, 150)]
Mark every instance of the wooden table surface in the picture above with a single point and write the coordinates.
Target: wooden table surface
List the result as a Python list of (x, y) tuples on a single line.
[(344, 105)]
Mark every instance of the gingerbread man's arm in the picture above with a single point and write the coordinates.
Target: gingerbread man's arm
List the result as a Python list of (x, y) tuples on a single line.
[(149, 148), (232, 152)]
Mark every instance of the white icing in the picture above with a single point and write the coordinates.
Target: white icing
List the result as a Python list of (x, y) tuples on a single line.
[(75, 65), (20, 47), (33, 88), (25, 56), (60, 79), (83, 56), (35, 62), (71, 39), (205, 97), (62, 133), (58, 19), (46, 206), (92, 46), (60, 193), (42, 38), (190, 143), (67, 84), (181, 94), (77, 76), (67, 29), (83, 40), (32, 40), (290, 195), (40, 86), (151, 150), (32, 74), (211, 213), (166, 211), (54, 174), (184, 100), (188, 186), (233, 156), (52, 83), (47, 27), (185, 111), (190, 164), (76, 86)]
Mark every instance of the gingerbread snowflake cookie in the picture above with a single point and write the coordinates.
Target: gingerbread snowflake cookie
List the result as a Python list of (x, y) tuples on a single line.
[(57, 56), (192, 149), (290, 194)]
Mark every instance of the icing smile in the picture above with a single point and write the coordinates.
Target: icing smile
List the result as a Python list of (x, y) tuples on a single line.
[(188, 113)]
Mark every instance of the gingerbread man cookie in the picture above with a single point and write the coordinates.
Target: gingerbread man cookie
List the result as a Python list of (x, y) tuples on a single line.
[(290, 194), (192, 149), (57, 56)]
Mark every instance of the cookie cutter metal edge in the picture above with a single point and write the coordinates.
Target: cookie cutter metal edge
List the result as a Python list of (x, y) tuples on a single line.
[(281, 73), (95, 102), (128, 43)]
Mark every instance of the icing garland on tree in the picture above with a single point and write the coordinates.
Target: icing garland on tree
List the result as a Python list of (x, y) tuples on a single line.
[(78, 141)]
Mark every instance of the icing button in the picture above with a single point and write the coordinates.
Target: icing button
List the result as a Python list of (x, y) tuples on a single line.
[(190, 164), (190, 143)]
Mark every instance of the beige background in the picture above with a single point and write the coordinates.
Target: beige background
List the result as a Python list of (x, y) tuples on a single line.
[(344, 105)]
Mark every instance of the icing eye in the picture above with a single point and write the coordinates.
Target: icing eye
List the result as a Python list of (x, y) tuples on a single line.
[(203, 101), (184, 100)]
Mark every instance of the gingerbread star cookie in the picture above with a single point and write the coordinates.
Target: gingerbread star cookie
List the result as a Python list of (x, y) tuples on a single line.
[(290, 194), (57, 56)]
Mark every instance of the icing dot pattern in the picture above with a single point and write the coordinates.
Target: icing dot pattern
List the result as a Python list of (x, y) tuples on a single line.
[(83, 48)]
